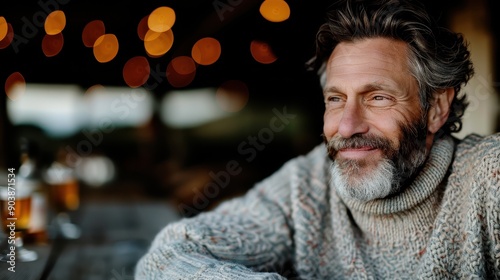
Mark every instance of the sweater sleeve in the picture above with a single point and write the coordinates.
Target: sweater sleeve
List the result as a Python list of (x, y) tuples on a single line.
[(244, 238)]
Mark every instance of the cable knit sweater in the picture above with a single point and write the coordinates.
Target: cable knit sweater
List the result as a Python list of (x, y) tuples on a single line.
[(445, 225)]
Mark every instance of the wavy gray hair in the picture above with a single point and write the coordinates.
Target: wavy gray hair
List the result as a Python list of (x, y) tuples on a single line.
[(438, 58)]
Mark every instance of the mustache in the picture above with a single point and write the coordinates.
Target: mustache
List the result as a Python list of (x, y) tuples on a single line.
[(338, 143), (359, 141)]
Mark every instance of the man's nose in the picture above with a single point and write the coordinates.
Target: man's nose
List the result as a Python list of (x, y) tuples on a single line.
[(353, 120)]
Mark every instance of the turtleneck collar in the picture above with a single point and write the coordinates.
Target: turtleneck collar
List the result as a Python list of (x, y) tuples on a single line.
[(411, 211)]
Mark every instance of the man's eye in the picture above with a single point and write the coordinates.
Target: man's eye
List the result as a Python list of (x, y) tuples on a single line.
[(334, 99), (380, 100)]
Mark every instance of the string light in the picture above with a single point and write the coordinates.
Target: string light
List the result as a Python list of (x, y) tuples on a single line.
[(262, 52), (15, 86), (106, 48), (275, 10), (206, 51), (161, 19), (136, 71), (52, 44), (92, 31), (55, 22)]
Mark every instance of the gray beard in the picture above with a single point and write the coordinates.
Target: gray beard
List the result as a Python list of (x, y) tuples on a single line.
[(378, 183), (389, 174)]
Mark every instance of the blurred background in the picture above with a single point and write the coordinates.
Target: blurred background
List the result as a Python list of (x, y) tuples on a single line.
[(185, 102)]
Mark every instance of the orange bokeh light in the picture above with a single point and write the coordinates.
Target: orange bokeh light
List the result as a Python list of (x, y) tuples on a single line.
[(92, 31), (55, 22), (206, 51), (4, 28), (106, 48), (262, 52), (5, 42), (52, 44), (142, 28), (15, 86), (176, 69), (161, 19), (232, 95), (275, 10), (158, 43), (136, 71), (183, 65)]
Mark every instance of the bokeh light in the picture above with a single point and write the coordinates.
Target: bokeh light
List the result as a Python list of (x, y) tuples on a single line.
[(15, 86), (142, 28), (161, 19), (158, 43), (52, 44), (183, 65), (55, 22), (206, 51), (262, 52), (136, 71), (5, 42), (275, 10), (232, 96), (92, 31), (181, 71), (4, 28), (106, 48)]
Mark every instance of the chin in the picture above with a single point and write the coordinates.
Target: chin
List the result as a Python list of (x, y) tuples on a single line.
[(360, 180)]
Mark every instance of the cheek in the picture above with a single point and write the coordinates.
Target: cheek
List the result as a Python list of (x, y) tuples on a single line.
[(330, 125)]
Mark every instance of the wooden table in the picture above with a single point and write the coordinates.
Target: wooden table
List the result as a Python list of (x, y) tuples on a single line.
[(114, 236)]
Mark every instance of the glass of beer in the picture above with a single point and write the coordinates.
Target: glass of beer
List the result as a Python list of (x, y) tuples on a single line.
[(64, 196), (15, 212)]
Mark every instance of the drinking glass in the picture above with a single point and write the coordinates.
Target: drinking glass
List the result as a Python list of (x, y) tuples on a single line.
[(15, 212), (64, 197)]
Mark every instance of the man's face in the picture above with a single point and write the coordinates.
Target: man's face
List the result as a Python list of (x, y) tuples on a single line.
[(373, 122)]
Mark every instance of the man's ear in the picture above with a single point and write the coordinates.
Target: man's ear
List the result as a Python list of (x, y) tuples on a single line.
[(440, 109)]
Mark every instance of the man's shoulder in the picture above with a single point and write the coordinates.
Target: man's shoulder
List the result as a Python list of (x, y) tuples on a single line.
[(477, 164), (475, 146)]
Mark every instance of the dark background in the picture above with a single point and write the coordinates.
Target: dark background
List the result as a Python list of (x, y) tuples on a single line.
[(167, 160)]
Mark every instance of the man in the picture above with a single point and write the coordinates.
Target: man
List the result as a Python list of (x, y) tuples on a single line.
[(389, 195)]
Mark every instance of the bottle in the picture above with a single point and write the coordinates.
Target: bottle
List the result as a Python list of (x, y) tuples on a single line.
[(29, 176)]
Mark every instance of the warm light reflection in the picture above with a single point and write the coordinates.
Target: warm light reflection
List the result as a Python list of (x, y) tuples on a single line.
[(157, 44), (4, 28), (183, 65), (52, 44), (5, 42), (206, 51), (55, 22), (275, 10), (262, 52), (232, 96), (142, 28), (136, 71), (92, 31), (15, 86), (180, 72), (106, 48), (161, 19)]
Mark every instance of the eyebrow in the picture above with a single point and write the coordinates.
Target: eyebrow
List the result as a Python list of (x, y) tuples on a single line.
[(366, 88)]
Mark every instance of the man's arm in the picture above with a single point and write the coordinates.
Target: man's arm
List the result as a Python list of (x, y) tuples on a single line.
[(241, 239)]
